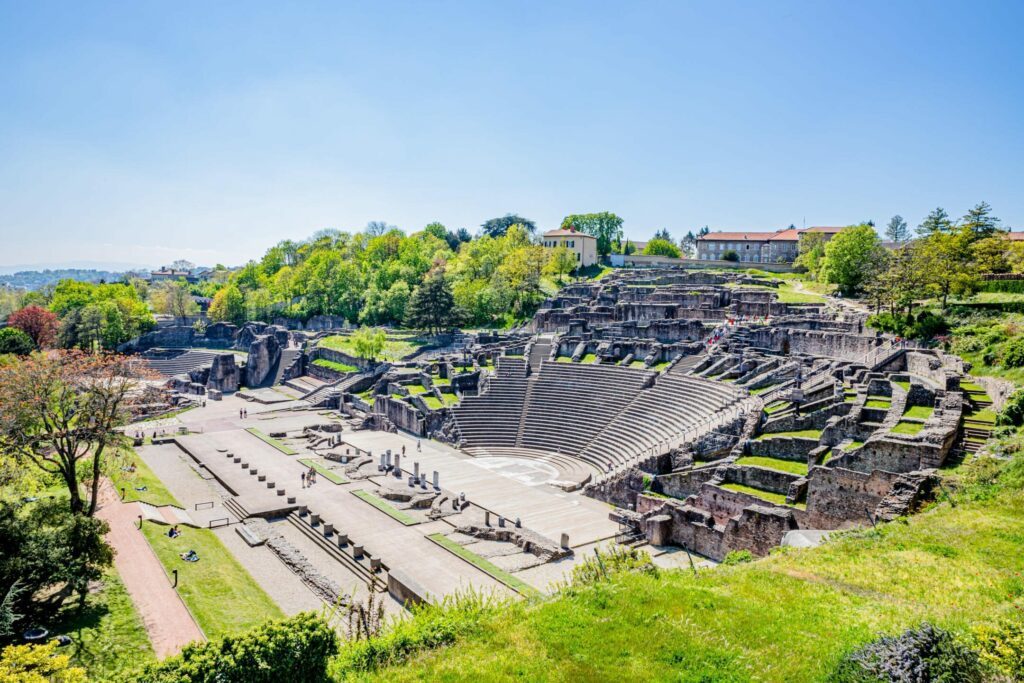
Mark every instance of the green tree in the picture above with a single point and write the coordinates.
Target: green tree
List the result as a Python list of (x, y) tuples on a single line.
[(561, 262), (173, 298), (661, 247), (38, 664), (432, 305), (497, 227), (936, 221), (688, 245), (58, 411), (897, 229), (13, 340), (947, 260), (811, 250), (980, 221), (228, 305), (369, 342), (849, 257), (605, 226), (437, 230), (730, 255)]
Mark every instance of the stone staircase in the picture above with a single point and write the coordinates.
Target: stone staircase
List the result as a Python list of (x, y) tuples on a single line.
[(342, 553)]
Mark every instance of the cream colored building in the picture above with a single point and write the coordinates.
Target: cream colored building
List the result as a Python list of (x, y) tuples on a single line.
[(584, 246)]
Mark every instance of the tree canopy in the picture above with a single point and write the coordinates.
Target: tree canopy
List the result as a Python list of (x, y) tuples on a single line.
[(849, 256), (661, 247), (605, 226), (497, 227)]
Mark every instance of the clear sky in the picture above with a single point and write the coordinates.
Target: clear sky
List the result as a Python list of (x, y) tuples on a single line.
[(139, 132)]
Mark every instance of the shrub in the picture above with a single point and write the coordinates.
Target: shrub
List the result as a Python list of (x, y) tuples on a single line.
[(13, 340), (296, 650), (925, 653), (608, 562), (730, 256), (926, 326), (1013, 353), (738, 557), (429, 626), (38, 664), (1002, 647), (1013, 412)]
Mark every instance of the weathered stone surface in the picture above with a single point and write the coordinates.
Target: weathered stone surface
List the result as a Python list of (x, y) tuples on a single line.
[(224, 374), (264, 354)]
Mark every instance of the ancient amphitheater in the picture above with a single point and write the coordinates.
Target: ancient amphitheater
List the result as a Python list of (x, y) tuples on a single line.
[(711, 416)]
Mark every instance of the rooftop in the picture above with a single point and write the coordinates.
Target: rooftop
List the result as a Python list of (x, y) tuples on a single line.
[(566, 233)]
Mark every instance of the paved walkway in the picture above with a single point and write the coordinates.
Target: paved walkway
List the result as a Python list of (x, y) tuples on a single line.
[(167, 621)]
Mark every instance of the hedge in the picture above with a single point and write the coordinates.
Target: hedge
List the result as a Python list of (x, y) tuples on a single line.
[(295, 650)]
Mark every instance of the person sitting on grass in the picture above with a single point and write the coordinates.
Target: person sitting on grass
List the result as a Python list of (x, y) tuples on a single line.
[(190, 556), (173, 532)]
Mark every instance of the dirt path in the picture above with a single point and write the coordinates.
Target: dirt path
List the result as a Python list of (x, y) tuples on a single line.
[(168, 623)]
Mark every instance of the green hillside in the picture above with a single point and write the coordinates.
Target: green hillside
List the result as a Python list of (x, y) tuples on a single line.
[(789, 617)]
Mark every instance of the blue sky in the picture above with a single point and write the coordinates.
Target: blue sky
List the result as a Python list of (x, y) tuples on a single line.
[(139, 132)]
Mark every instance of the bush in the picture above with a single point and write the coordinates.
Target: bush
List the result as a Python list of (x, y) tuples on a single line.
[(13, 340), (926, 654), (928, 325), (923, 326), (731, 256), (738, 557), (1013, 411), (296, 650), (429, 626), (1002, 647), (1013, 353)]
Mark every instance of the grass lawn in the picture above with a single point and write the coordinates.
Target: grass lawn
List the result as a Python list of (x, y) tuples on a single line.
[(907, 427), (563, 359), (758, 392), (972, 387), (385, 507), (801, 434), (776, 407), (791, 466), (769, 496), (322, 470), (589, 358), (484, 565), (875, 403), (272, 441), (108, 636), (919, 412), (164, 416), (219, 592), (828, 456), (415, 389), (447, 400), (441, 382), (986, 416), (789, 617), (155, 494), (903, 385), (637, 364), (854, 445), (333, 365), (659, 367), (395, 348)]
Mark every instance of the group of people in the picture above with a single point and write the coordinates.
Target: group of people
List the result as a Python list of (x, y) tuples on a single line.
[(243, 413), (188, 556), (309, 477)]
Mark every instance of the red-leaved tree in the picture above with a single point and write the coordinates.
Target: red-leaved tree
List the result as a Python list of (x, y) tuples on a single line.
[(38, 323)]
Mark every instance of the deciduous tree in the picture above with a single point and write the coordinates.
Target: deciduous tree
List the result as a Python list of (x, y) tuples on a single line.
[(13, 340), (605, 226), (848, 257), (59, 410), (561, 262), (497, 227), (38, 323), (228, 305), (661, 247)]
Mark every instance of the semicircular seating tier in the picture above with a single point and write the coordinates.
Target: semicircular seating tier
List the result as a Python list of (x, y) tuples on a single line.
[(603, 415)]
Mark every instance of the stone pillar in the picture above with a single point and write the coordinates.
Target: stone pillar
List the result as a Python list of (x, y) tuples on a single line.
[(564, 541), (357, 551), (314, 518), (342, 540), (398, 465), (412, 481), (659, 529), (416, 471), (437, 480), (374, 564), (501, 521), (328, 529), (487, 518), (519, 525), (381, 466)]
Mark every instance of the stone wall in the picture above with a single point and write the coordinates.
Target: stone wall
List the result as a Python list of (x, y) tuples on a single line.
[(839, 498), (400, 413)]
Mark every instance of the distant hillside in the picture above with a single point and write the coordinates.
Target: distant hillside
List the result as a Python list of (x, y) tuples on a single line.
[(35, 279)]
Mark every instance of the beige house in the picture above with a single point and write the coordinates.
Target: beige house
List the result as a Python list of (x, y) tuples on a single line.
[(584, 246)]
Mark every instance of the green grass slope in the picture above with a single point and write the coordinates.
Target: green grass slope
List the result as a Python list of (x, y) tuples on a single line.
[(789, 617)]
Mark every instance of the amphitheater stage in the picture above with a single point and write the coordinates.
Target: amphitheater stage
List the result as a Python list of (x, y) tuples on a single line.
[(508, 486)]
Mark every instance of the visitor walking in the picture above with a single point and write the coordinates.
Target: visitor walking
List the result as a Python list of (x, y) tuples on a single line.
[(303, 480)]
